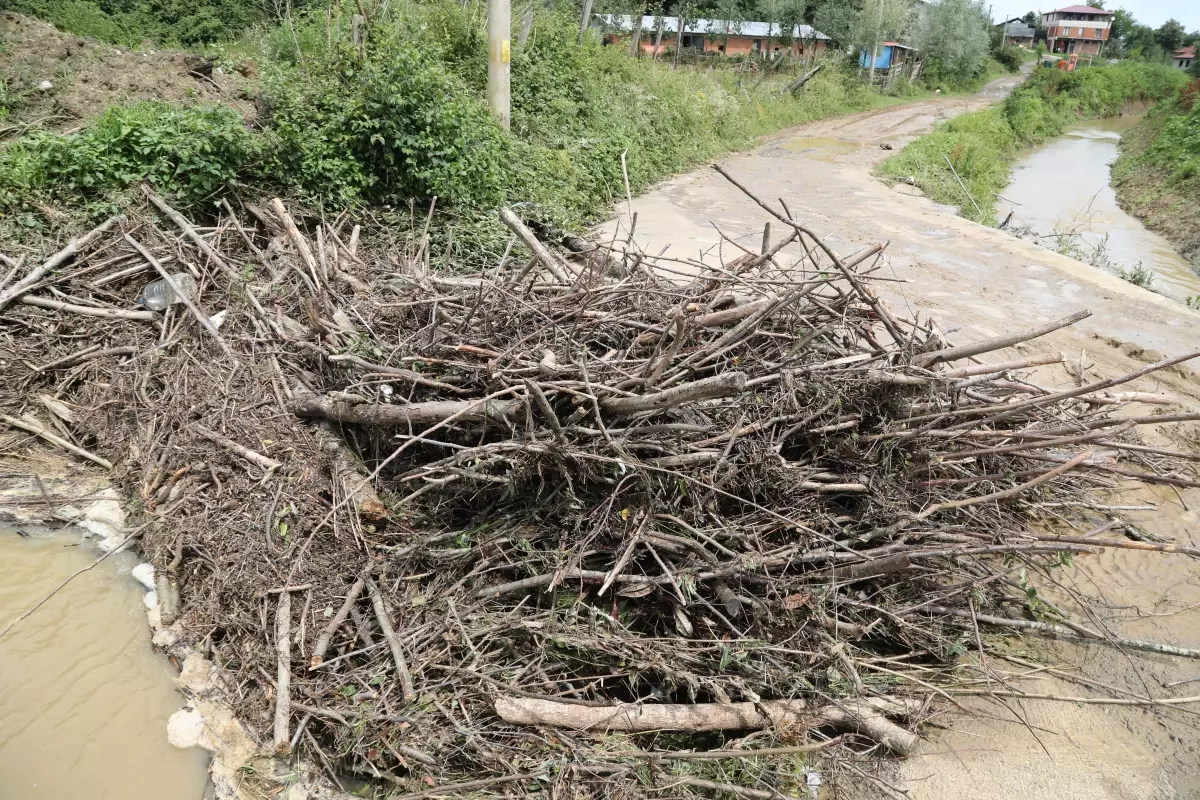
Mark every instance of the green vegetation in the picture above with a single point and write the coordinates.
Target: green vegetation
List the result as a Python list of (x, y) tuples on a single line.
[(982, 145), (402, 119), (130, 22), (1157, 175), (192, 153)]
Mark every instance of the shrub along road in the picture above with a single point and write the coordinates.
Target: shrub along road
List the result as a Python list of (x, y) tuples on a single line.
[(979, 282)]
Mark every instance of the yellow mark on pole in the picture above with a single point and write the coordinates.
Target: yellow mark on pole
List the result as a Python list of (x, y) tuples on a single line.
[(505, 52)]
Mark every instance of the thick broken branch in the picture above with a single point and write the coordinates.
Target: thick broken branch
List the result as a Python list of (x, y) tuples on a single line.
[(865, 716)]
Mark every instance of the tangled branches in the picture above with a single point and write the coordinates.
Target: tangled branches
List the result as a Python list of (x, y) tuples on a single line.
[(416, 517)]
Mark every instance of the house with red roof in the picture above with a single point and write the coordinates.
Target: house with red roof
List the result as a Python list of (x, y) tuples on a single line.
[(1184, 57), (1077, 29)]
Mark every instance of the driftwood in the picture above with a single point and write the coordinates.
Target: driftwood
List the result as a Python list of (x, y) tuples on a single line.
[(335, 622), (283, 677), (339, 410), (89, 311), (55, 261), (727, 385), (37, 429), (547, 259), (740, 452), (865, 716), (1000, 342), (393, 641), (269, 464), (798, 84)]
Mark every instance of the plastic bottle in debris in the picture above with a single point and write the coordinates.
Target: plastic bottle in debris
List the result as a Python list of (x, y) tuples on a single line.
[(158, 295)]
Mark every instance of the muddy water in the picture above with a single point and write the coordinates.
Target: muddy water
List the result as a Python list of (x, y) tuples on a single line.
[(1063, 186), (84, 699)]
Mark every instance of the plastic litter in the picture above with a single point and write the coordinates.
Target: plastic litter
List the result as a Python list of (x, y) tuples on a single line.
[(158, 295)]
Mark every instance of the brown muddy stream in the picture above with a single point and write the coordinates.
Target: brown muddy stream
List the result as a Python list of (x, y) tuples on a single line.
[(85, 698), (1063, 187)]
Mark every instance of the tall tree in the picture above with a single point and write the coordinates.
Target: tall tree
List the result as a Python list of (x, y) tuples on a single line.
[(1122, 23), (954, 37), (879, 21), (1170, 35)]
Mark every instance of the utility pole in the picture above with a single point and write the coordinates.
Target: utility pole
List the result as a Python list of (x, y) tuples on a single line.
[(499, 55), (585, 19)]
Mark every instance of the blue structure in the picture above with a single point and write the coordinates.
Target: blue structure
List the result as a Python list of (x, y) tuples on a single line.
[(889, 53)]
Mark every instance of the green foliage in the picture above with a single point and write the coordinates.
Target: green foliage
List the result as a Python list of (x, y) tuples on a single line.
[(954, 38), (189, 153), (1010, 57), (404, 119), (390, 127), (1157, 175), (981, 145), (1138, 275), (130, 22)]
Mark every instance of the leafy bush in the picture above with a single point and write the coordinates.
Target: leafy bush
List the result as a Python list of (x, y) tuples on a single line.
[(404, 118), (130, 22), (981, 145), (189, 153), (1010, 57)]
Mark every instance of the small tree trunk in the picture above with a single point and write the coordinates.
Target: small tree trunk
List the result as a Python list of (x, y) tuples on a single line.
[(874, 57), (587, 17), (635, 45), (657, 39), (678, 42)]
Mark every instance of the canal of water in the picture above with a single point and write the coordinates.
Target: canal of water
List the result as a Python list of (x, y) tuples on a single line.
[(1062, 187), (84, 697)]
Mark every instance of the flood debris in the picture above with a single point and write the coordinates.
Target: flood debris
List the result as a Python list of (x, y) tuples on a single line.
[(577, 523)]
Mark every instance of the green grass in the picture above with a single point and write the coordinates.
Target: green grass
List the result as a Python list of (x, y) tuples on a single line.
[(1157, 175), (981, 146)]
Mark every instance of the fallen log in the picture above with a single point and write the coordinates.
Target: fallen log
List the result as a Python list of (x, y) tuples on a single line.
[(310, 406), (547, 259), (863, 715), (725, 385), (997, 343)]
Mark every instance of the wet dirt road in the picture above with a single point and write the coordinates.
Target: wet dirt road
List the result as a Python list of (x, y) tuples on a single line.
[(978, 282)]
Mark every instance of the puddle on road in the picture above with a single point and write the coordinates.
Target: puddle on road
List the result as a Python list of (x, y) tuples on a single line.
[(821, 148), (85, 698), (1064, 186)]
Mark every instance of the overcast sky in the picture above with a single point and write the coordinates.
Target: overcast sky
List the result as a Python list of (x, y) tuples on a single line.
[(1147, 12)]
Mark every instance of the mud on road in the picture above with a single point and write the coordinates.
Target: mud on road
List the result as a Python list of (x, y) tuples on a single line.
[(978, 282)]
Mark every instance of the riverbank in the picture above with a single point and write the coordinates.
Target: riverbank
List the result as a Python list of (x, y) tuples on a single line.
[(967, 161), (1078, 213), (1157, 176)]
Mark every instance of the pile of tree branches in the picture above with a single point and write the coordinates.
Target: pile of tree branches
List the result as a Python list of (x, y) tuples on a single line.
[(463, 530)]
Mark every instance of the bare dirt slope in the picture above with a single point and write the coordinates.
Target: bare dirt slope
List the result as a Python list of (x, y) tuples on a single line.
[(979, 282), (59, 80)]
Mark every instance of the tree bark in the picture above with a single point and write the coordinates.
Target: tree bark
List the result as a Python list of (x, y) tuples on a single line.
[(865, 715), (310, 406), (999, 342), (726, 385)]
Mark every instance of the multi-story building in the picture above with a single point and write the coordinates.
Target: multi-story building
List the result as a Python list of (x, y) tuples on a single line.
[(1077, 29)]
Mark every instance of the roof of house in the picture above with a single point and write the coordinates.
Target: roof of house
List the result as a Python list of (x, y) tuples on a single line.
[(897, 44), (1019, 30), (1080, 10), (1185, 52), (624, 23)]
